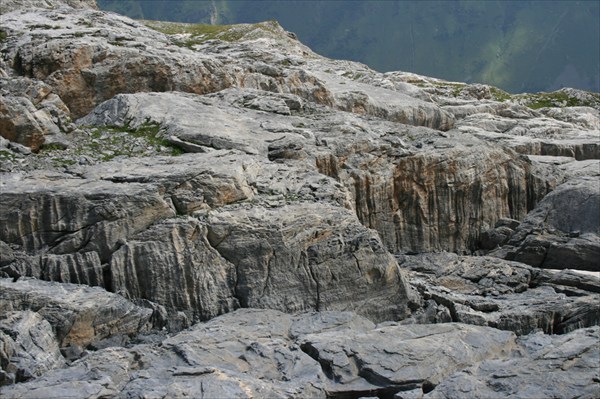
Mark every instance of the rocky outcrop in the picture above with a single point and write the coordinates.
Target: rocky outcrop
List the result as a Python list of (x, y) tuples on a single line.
[(386, 171), (87, 63), (391, 359), (328, 257), (562, 231), (31, 114), (233, 168), (330, 354), (440, 198), (302, 257), (28, 347), (175, 253), (11, 5), (77, 215), (548, 361), (506, 295), (79, 315), (363, 99)]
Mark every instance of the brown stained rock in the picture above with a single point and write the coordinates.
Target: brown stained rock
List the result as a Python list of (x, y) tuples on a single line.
[(20, 122), (78, 314)]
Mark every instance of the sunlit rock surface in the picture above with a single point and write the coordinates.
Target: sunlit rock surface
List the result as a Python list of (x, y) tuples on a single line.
[(224, 213)]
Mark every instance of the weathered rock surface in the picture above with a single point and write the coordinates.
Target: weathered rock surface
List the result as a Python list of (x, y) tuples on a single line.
[(336, 262), (563, 231), (302, 257), (173, 264), (428, 193), (31, 114), (401, 358), (506, 295), (330, 354), (76, 214), (78, 314), (11, 5), (29, 347), (299, 176), (550, 365)]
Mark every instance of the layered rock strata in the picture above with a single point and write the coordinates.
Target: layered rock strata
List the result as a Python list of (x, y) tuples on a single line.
[(157, 177)]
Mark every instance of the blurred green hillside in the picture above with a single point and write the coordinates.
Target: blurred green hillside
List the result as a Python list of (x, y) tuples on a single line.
[(519, 46)]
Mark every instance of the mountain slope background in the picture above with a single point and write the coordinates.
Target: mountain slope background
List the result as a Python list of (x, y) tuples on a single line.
[(519, 46)]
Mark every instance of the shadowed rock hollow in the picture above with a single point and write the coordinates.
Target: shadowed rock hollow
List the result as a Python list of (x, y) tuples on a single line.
[(221, 212)]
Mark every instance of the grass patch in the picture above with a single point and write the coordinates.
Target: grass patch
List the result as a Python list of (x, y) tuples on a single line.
[(499, 95), (454, 89), (6, 155), (558, 99), (200, 33), (116, 139), (3, 36), (101, 144), (51, 147), (63, 162)]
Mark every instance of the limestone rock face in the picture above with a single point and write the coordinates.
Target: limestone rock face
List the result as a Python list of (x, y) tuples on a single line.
[(389, 183), (76, 268), (439, 200), (78, 315), (387, 104), (267, 353), (89, 65), (307, 263), (31, 114), (552, 364), (173, 264), (77, 215), (402, 358), (562, 231), (506, 295), (241, 187), (569, 132), (29, 347), (303, 257)]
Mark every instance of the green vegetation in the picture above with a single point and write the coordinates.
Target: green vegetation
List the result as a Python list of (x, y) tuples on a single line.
[(3, 36), (6, 155), (353, 75), (558, 99), (52, 147), (200, 33), (499, 95), (63, 162), (116, 138), (103, 144), (456, 87)]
